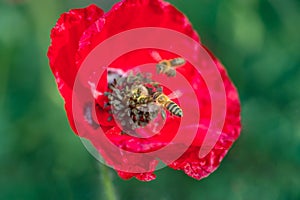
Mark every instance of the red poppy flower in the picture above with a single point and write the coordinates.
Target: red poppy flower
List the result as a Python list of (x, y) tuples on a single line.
[(79, 31)]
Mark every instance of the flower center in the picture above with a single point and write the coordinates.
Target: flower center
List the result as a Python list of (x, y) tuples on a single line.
[(132, 100)]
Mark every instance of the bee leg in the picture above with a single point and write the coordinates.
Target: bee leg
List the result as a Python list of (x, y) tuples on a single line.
[(171, 73), (163, 114), (159, 68)]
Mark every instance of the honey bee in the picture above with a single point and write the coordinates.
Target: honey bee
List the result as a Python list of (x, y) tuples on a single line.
[(167, 66), (164, 101), (141, 96)]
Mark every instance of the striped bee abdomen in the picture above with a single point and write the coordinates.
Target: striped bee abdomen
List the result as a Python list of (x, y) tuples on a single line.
[(174, 108)]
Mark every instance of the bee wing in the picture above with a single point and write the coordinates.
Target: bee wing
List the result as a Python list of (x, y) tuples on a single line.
[(155, 55), (171, 72), (177, 62), (176, 94)]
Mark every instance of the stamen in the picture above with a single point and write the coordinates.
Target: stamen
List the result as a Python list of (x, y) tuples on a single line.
[(131, 102)]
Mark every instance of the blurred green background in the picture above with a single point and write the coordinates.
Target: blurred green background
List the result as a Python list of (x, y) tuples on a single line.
[(257, 40)]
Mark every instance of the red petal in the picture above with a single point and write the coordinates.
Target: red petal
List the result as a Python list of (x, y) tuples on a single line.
[(149, 176), (65, 37), (190, 162), (130, 14)]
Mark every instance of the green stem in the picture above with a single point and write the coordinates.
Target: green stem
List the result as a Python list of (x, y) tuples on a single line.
[(107, 185)]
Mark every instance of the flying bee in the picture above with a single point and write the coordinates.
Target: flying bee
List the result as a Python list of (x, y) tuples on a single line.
[(167, 67), (165, 102)]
